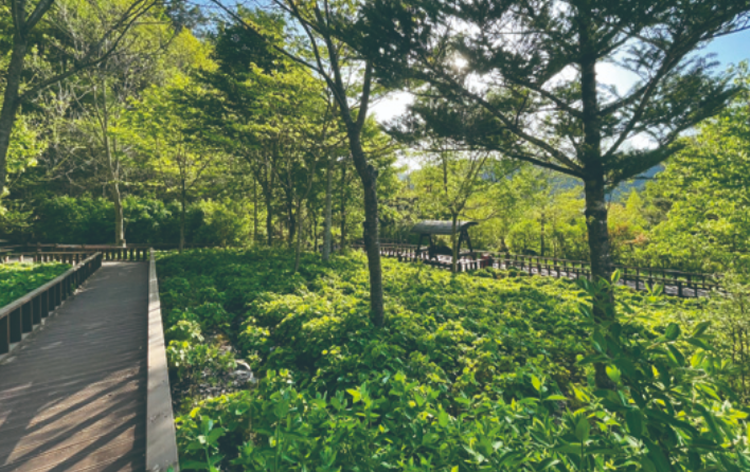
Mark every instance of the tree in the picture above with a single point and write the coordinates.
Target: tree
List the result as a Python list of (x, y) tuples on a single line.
[(332, 61), (108, 27), (164, 128), (705, 220), (520, 77)]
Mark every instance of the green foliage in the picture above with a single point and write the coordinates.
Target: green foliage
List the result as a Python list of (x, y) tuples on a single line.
[(16, 279), (469, 373), (90, 221), (700, 202)]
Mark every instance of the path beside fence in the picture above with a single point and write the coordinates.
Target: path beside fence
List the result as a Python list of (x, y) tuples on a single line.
[(73, 396)]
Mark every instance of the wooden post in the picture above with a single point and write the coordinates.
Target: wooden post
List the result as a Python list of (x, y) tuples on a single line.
[(44, 299), (16, 333), (27, 318), (4, 335)]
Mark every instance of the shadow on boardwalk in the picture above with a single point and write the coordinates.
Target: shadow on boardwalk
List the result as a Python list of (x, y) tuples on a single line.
[(74, 396)]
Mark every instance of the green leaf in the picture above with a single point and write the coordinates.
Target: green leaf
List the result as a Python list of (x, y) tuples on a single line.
[(700, 328), (657, 457), (215, 434), (672, 332), (546, 464), (443, 418), (356, 396), (558, 398), (583, 428), (676, 356), (634, 420), (613, 373), (536, 383)]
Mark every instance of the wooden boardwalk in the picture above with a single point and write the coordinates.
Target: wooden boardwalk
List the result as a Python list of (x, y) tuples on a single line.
[(73, 397)]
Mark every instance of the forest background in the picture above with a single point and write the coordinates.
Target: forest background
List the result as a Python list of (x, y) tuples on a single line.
[(192, 132)]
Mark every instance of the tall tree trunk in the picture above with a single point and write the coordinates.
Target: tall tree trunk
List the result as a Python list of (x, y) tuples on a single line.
[(327, 216), (369, 175), (119, 214), (598, 232), (10, 103), (591, 155), (594, 183), (343, 207)]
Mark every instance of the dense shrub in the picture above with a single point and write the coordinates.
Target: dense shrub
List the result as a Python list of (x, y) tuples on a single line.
[(470, 373), (69, 220)]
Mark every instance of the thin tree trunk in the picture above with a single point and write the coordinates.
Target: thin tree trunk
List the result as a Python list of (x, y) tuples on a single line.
[(255, 212), (343, 207), (114, 169), (183, 195), (541, 234), (327, 216), (368, 176), (314, 227), (298, 249), (269, 220), (291, 221), (119, 214), (454, 243), (10, 103)]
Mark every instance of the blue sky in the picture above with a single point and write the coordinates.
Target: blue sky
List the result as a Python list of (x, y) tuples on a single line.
[(731, 49)]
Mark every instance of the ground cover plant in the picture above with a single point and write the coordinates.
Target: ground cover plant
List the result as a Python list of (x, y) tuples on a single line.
[(18, 279), (490, 371)]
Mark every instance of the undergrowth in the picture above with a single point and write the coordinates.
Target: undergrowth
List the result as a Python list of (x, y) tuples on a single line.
[(485, 371)]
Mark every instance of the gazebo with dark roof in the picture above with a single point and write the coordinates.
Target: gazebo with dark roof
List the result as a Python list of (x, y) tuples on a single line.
[(437, 227)]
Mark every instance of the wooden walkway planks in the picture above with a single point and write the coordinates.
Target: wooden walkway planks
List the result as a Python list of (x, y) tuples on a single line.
[(73, 398)]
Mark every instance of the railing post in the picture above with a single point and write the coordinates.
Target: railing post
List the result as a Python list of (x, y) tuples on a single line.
[(36, 309), (16, 332), (4, 335), (45, 303), (27, 318)]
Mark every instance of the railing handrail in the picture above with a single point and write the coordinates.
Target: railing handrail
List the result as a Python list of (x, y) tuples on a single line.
[(508, 254), (161, 443), (19, 302)]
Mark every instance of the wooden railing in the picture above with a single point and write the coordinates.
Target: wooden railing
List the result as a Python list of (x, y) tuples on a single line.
[(678, 283), (72, 253), (161, 444), (19, 317)]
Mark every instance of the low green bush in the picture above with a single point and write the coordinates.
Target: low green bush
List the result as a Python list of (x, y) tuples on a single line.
[(469, 373)]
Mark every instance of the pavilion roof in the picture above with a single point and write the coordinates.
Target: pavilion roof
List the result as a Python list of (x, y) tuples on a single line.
[(440, 227)]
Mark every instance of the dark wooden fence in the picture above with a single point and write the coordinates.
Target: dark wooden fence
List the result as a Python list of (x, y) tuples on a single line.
[(72, 253), (677, 283)]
